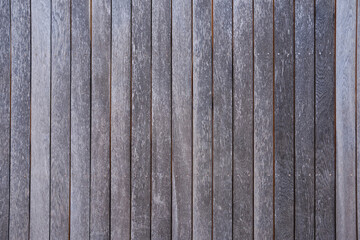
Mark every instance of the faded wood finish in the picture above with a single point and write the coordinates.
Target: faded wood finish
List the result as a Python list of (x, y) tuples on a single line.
[(304, 120)]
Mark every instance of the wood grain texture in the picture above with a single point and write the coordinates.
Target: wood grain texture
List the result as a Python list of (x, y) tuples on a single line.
[(182, 167), (357, 111), (325, 120), (5, 85), (60, 120), (345, 120), (141, 120), (222, 119), (100, 120), (40, 119), (304, 120), (161, 120), (120, 119), (263, 119), (243, 141), (80, 120), (202, 119), (284, 119)]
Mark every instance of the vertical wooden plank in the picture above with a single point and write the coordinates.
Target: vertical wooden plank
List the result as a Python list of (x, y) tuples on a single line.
[(243, 144), (5, 84), (120, 119), (202, 119), (60, 119), (284, 119), (40, 118), (324, 120), (345, 120), (263, 119), (161, 120), (222, 119), (141, 120), (100, 120), (80, 120), (357, 116), (181, 120), (304, 120)]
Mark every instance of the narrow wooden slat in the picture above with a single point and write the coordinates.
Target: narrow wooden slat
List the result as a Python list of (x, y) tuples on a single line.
[(202, 119), (345, 120), (141, 120), (100, 120), (243, 144), (325, 120), (5, 85), (161, 120), (181, 120), (120, 119), (304, 120), (40, 119), (80, 120), (263, 119), (222, 147), (60, 119), (357, 116)]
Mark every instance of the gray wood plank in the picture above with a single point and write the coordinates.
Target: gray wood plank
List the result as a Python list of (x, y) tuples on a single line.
[(358, 118), (304, 120), (345, 120), (222, 119), (243, 126), (324, 120), (141, 120), (161, 120), (202, 119), (20, 120), (284, 119), (263, 119), (80, 120), (40, 119), (181, 120), (60, 120), (100, 120), (5, 85), (120, 119)]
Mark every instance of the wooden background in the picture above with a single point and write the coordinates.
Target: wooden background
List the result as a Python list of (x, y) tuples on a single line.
[(179, 119)]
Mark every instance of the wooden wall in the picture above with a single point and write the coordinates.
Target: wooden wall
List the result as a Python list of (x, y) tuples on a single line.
[(179, 119)]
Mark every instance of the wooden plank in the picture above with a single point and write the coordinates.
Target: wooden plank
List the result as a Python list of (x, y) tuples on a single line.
[(357, 116), (60, 120), (40, 119), (181, 120), (222, 119), (80, 120), (141, 120), (345, 120), (325, 120), (263, 119), (202, 119), (284, 119), (304, 120), (161, 120), (120, 119), (5, 85), (243, 126), (100, 120)]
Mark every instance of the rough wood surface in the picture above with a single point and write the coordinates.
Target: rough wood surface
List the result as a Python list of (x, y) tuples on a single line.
[(181, 120), (325, 119), (202, 119), (304, 120), (263, 119), (40, 119), (141, 120), (345, 120), (243, 141), (120, 119), (161, 120), (60, 120)]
